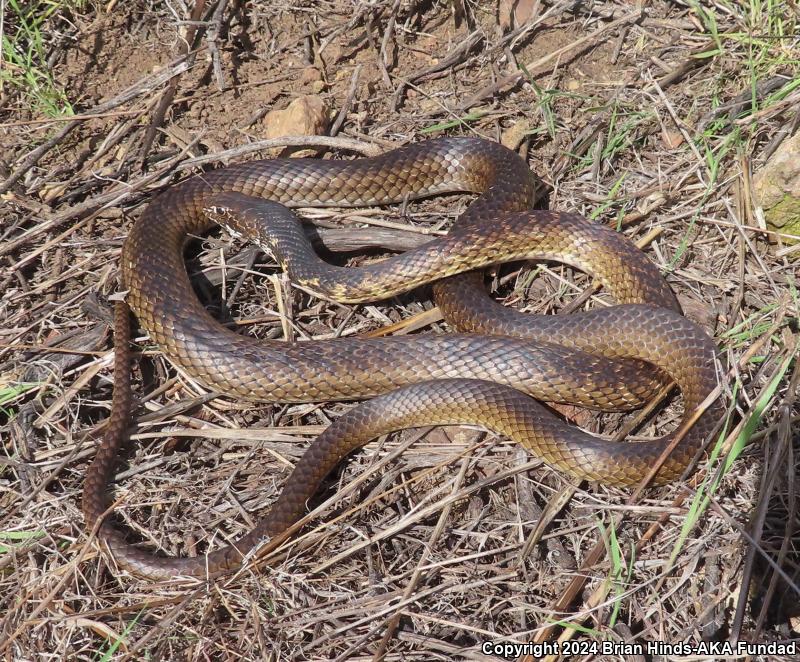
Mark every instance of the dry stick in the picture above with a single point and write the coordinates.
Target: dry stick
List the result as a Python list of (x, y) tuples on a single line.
[(19, 332), (349, 144), (251, 260), (394, 622), (67, 394), (637, 215), (757, 523), (407, 521), (742, 102), (164, 623), (275, 550), (55, 241), (534, 67), (69, 118), (554, 506), (368, 25), (47, 601), (348, 103), (76, 453), (744, 202), (786, 130), (791, 496), (175, 68), (451, 59), (512, 39), (388, 35), (28, 347), (129, 608), (421, 511), (169, 93), (594, 556), (355, 606), (715, 507), (344, 240), (106, 155), (407, 325), (33, 157), (452, 585), (114, 197), (95, 206), (212, 34), (684, 129), (692, 62), (397, 225), (770, 111), (40, 487)]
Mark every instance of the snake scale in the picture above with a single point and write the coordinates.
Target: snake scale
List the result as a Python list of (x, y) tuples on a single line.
[(486, 374)]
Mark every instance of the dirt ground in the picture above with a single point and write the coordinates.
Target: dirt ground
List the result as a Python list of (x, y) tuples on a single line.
[(426, 544)]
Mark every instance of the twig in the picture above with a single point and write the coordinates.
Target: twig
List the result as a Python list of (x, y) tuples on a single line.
[(773, 462), (536, 66), (451, 59), (92, 207), (349, 144), (394, 622), (166, 99), (175, 69), (348, 103), (117, 195), (690, 63), (33, 156), (212, 35)]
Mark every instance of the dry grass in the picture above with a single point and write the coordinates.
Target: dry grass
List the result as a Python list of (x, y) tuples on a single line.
[(426, 544)]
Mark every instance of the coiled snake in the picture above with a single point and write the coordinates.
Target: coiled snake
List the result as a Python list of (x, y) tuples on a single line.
[(602, 358)]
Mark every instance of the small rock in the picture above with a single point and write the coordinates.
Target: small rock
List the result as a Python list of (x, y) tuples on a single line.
[(310, 74), (305, 116), (52, 190), (513, 136), (313, 79), (671, 139), (698, 311), (777, 189), (514, 13)]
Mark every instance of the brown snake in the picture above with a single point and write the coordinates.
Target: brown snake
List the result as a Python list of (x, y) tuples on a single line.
[(601, 358)]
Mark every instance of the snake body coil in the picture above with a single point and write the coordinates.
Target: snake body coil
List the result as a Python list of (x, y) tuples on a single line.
[(595, 358)]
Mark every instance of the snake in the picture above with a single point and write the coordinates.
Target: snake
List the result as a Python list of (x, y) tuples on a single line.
[(494, 371)]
